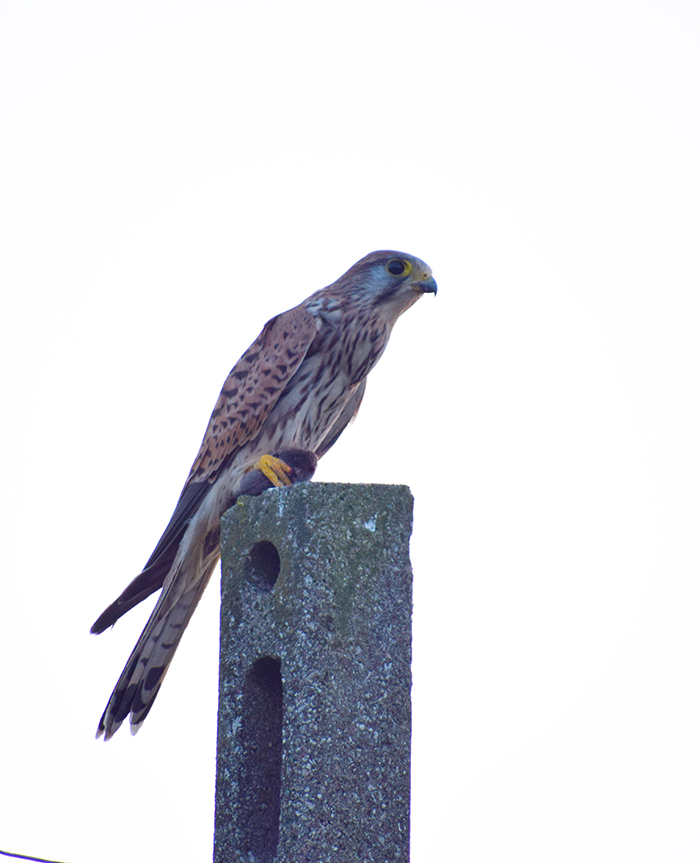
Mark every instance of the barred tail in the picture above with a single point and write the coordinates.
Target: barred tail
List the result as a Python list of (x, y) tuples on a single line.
[(143, 674)]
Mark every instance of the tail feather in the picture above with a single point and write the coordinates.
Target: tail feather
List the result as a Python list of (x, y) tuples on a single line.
[(182, 565), (148, 664)]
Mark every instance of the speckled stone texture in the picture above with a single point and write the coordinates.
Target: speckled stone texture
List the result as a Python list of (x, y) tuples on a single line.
[(314, 735)]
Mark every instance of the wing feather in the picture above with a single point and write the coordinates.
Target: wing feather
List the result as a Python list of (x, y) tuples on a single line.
[(158, 565), (252, 389), (248, 395)]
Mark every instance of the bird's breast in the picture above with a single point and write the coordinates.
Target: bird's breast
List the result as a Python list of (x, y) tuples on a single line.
[(337, 362)]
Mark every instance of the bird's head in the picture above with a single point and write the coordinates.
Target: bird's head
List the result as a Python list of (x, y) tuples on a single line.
[(391, 282)]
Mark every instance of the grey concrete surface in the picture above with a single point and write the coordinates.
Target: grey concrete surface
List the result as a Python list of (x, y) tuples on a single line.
[(314, 729)]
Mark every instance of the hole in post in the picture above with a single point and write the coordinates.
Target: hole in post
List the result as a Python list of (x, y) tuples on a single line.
[(261, 766), (265, 564)]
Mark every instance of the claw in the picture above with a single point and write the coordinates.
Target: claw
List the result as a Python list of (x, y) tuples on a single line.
[(302, 462), (276, 470)]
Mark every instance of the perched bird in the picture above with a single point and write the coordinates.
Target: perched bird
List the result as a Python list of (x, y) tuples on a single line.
[(282, 407)]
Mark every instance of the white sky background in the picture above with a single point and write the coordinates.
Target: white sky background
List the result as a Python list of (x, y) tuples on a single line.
[(172, 174)]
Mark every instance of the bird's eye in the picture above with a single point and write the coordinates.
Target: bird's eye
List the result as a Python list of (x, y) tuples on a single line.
[(398, 267)]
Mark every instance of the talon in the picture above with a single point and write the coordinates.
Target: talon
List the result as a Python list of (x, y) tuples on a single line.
[(276, 470)]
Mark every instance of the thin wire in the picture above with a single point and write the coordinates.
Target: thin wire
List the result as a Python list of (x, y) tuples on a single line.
[(25, 857)]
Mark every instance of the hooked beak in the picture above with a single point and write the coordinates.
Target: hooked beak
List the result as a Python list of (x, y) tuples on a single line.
[(425, 283)]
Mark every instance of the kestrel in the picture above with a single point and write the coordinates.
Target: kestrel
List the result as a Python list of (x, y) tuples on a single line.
[(282, 407)]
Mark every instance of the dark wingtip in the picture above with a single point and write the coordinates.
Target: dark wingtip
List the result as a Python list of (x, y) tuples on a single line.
[(108, 618)]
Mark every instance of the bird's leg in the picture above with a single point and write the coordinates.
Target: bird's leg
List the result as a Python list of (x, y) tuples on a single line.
[(276, 470), (302, 464)]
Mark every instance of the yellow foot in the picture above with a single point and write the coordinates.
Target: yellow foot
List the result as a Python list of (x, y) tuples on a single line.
[(276, 470)]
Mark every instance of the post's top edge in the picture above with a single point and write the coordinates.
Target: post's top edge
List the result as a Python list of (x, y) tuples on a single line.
[(321, 491)]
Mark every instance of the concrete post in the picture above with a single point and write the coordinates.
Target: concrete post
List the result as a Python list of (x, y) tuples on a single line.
[(314, 734)]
